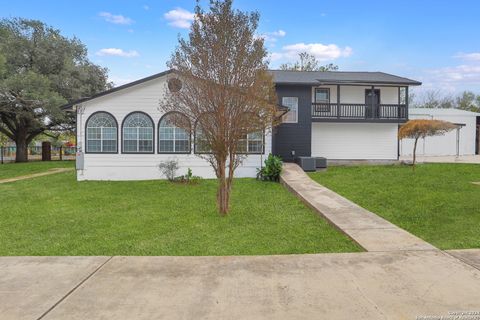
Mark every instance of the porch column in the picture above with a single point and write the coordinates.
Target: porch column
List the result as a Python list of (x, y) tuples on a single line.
[(372, 103), (338, 102), (406, 102)]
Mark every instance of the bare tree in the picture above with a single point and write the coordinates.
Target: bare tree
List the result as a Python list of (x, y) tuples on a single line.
[(308, 62), (223, 90), (433, 99)]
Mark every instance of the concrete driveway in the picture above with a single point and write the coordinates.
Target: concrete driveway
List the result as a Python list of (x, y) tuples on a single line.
[(371, 285)]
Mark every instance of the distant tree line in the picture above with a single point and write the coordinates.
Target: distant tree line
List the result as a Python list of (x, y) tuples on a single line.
[(466, 100)]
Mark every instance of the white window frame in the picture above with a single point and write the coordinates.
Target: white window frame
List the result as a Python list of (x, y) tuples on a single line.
[(102, 133), (287, 117), (174, 139), (137, 129)]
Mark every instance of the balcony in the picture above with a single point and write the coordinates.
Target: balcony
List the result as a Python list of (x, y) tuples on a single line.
[(359, 112)]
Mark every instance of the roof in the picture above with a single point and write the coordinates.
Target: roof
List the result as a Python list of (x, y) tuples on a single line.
[(338, 77), (442, 112), (125, 86), (286, 77)]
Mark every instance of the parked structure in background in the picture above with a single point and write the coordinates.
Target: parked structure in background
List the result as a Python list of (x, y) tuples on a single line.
[(463, 141), (122, 135)]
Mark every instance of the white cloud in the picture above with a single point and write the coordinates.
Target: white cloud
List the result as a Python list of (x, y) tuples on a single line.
[(117, 53), (323, 52), (452, 78), (272, 37), (146, 7), (179, 18), (115, 19), (473, 56)]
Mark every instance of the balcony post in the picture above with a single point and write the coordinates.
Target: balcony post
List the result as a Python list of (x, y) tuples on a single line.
[(406, 102), (338, 101), (372, 103)]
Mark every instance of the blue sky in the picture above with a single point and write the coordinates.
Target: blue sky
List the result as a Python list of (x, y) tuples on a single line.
[(436, 42)]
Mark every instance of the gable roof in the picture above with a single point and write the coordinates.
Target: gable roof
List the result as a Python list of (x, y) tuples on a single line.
[(115, 89), (338, 77), (286, 77)]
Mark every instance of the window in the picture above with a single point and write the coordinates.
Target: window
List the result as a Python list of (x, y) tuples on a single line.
[(201, 143), (292, 104), (137, 133), (101, 133), (174, 85), (322, 100), (172, 139), (322, 95), (252, 143)]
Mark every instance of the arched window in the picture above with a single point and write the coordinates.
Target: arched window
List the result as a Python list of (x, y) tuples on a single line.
[(137, 133), (101, 133), (172, 139)]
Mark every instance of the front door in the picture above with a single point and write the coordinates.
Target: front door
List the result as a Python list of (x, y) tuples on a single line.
[(372, 101)]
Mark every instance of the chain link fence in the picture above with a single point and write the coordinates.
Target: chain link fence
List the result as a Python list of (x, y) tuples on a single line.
[(7, 154)]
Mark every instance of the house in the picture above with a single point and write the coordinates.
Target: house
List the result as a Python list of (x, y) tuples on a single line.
[(462, 141), (122, 134), (340, 115)]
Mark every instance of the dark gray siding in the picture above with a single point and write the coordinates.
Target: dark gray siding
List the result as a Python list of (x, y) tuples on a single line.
[(294, 136)]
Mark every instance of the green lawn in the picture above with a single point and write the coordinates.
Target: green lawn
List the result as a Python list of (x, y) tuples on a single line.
[(437, 202), (10, 170), (56, 215)]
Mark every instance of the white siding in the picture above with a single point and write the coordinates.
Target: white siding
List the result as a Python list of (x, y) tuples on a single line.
[(144, 97), (356, 94), (446, 144), (355, 141)]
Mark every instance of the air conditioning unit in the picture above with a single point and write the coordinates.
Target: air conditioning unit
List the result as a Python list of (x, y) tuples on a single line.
[(320, 162), (306, 163)]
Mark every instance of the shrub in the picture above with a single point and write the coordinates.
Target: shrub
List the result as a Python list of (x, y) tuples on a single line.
[(188, 178), (272, 169), (169, 169)]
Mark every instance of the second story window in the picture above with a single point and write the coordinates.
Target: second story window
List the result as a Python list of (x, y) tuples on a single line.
[(322, 95), (322, 100), (292, 104)]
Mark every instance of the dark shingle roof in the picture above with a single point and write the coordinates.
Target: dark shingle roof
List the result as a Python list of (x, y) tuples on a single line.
[(336, 77), (289, 77)]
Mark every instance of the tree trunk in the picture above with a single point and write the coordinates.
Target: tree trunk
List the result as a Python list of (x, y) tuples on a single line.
[(414, 153), (223, 193), (22, 149)]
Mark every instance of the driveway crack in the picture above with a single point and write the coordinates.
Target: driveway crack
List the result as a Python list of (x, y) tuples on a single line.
[(74, 288)]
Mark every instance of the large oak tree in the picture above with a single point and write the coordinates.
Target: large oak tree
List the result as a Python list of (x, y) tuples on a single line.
[(39, 71), (226, 91)]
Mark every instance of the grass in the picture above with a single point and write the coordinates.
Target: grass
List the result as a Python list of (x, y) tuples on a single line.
[(437, 202), (56, 215), (11, 170)]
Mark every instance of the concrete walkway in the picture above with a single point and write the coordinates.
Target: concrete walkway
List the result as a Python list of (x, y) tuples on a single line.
[(35, 175), (369, 285), (370, 231)]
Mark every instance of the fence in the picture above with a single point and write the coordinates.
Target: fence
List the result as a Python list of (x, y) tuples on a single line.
[(7, 154)]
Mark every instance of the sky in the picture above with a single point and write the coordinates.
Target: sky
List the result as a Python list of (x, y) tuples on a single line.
[(436, 42)]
